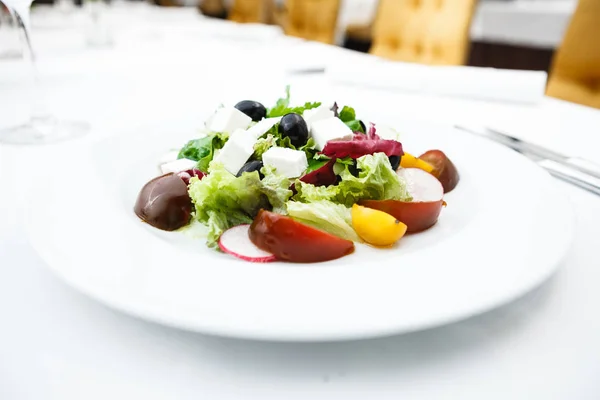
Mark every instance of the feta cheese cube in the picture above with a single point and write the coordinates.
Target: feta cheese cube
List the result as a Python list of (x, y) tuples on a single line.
[(262, 127), (228, 119), (317, 114), (168, 157), (177, 166), (203, 132), (237, 132), (287, 162), (236, 151), (385, 132), (330, 129)]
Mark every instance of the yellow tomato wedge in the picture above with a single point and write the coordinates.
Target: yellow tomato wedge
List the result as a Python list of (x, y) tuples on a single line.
[(410, 161), (376, 227)]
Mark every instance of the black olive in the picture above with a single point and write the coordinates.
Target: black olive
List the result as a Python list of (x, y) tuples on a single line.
[(362, 124), (252, 166), (353, 168), (395, 161), (253, 109), (293, 126)]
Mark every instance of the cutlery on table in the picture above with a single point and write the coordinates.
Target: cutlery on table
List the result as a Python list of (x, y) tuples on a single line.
[(575, 170)]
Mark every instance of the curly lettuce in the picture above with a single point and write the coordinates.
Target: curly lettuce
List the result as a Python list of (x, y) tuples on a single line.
[(376, 180), (262, 145), (277, 189), (203, 149), (223, 200), (326, 216), (282, 106)]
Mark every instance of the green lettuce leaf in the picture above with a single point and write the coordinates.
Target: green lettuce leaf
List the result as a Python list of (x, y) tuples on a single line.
[(325, 215), (375, 181), (314, 164), (222, 200), (348, 116), (355, 125), (282, 107), (203, 149), (319, 160), (309, 193), (276, 188), (279, 111), (310, 148), (262, 145)]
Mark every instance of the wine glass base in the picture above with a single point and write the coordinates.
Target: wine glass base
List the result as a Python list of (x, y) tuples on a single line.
[(43, 131)]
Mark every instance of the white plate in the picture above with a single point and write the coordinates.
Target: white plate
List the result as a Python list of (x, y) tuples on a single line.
[(505, 230)]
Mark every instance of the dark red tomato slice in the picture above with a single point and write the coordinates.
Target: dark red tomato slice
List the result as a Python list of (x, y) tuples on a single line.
[(164, 203), (293, 241), (417, 216), (443, 168)]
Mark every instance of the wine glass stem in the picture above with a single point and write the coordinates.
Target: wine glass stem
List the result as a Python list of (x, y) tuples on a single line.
[(38, 109), (28, 41), (38, 100)]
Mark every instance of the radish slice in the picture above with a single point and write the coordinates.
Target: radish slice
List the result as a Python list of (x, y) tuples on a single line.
[(235, 241), (443, 168), (422, 186)]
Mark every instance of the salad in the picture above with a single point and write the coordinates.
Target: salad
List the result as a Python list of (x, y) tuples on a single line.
[(297, 183)]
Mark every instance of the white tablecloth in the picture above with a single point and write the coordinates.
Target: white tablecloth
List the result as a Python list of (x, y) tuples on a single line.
[(57, 344)]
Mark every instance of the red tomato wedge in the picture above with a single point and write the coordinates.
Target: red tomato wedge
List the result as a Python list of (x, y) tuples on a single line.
[(443, 168), (424, 210), (293, 241)]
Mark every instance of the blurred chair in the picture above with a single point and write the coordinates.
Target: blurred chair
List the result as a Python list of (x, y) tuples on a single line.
[(311, 19), (575, 72), (252, 11), (423, 31)]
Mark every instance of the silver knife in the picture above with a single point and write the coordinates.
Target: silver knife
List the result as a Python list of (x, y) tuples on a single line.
[(580, 172), (569, 175), (578, 163), (306, 71)]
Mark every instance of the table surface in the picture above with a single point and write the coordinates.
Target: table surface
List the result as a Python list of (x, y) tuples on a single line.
[(57, 344)]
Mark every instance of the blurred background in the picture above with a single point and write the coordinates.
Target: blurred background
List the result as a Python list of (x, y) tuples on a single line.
[(561, 37)]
